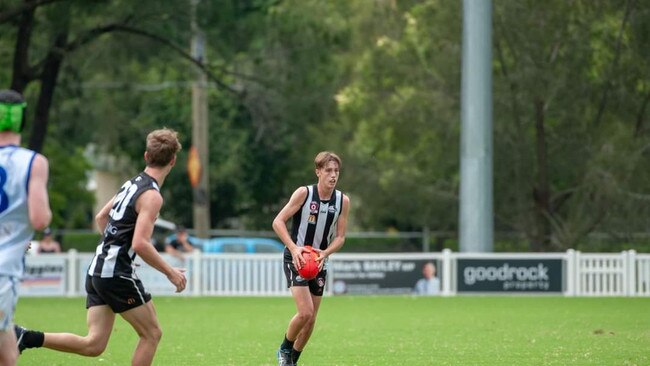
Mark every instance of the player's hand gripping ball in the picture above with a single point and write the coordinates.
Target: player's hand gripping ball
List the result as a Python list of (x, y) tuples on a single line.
[(309, 269)]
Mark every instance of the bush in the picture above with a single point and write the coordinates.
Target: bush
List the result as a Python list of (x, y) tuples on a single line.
[(381, 245), (85, 241)]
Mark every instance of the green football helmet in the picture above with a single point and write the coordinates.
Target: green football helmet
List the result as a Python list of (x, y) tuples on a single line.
[(12, 116)]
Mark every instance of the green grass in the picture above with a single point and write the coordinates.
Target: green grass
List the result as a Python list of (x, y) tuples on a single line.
[(370, 331)]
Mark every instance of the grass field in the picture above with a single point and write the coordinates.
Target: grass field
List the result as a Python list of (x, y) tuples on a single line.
[(370, 331)]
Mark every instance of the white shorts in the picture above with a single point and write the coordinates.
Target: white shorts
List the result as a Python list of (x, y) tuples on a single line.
[(8, 301)]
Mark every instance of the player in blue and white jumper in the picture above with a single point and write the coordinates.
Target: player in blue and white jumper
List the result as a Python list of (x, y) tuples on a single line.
[(24, 207)]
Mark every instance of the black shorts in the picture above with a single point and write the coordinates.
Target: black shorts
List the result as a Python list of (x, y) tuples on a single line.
[(119, 293), (316, 284)]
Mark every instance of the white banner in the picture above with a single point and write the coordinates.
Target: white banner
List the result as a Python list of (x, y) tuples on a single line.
[(45, 275)]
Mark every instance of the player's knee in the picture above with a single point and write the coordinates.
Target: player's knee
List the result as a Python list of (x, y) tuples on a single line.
[(311, 321), (306, 315), (153, 335), (94, 349), (157, 334), (94, 345)]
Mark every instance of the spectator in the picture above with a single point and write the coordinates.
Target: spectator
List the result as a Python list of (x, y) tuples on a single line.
[(430, 284), (48, 244), (180, 245)]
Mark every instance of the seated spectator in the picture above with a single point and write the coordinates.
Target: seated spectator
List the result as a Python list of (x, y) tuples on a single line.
[(179, 245), (48, 244)]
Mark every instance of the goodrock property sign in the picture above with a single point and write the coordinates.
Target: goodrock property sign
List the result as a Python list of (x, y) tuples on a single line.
[(509, 275)]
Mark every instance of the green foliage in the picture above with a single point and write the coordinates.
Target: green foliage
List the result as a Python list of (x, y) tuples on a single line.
[(70, 200), (589, 107), (400, 112), (82, 241), (379, 83), (381, 245)]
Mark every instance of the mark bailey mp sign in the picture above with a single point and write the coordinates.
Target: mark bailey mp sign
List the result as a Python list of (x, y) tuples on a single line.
[(509, 275)]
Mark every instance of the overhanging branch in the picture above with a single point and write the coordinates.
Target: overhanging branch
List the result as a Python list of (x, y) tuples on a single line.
[(629, 7), (31, 5), (177, 49)]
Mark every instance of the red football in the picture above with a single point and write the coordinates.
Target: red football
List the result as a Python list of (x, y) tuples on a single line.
[(309, 269)]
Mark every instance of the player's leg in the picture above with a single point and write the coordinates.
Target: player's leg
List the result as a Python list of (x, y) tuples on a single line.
[(307, 329), (100, 318), (300, 292), (145, 322), (8, 300), (316, 290), (305, 311), (100, 321), (8, 349)]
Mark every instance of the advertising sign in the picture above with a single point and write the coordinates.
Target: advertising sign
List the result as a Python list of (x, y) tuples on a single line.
[(153, 281), (157, 283), (44, 276), (377, 276), (510, 275)]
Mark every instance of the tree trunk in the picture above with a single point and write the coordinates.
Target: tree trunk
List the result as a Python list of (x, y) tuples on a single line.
[(640, 116), (49, 76), (21, 70), (541, 191)]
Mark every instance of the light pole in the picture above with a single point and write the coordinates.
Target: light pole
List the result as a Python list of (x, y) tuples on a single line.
[(198, 158), (476, 223)]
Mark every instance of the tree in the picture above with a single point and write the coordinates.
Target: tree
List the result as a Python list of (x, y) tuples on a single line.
[(399, 116), (553, 82)]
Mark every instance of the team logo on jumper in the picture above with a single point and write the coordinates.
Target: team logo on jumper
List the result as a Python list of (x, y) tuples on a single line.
[(332, 209), (313, 207), (311, 219)]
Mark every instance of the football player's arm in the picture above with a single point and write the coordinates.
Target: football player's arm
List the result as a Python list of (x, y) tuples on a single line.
[(38, 202), (280, 224), (148, 206), (341, 226), (102, 216)]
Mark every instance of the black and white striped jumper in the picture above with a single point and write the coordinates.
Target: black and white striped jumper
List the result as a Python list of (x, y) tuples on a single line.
[(315, 223), (114, 255)]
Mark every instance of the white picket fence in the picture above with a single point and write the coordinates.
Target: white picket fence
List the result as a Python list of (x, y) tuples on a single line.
[(236, 274), (617, 274), (584, 274)]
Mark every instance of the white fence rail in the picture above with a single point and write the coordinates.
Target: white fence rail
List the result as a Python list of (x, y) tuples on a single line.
[(641, 275), (602, 274), (571, 273)]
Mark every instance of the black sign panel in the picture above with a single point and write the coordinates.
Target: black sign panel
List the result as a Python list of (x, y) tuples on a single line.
[(377, 276), (510, 275)]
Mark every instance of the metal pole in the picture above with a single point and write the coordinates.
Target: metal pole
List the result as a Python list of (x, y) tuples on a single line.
[(201, 206), (476, 216), (426, 237)]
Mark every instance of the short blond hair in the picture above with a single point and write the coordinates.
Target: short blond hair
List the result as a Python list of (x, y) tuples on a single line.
[(325, 157), (162, 146)]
